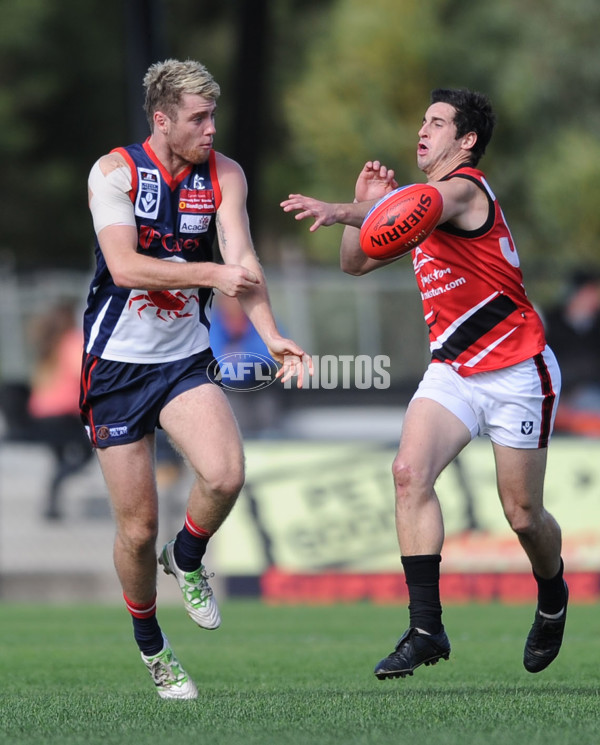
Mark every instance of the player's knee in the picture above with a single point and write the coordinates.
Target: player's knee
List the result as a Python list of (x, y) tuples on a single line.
[(522, 520), (138, 535), (406, 478), (227, 484)]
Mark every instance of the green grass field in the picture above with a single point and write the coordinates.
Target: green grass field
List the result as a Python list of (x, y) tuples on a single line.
[(290, 675)]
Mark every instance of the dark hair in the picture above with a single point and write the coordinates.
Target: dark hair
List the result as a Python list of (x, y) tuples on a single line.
[(473, 114)]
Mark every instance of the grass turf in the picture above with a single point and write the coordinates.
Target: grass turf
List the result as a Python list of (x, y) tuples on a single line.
[(294, 675)]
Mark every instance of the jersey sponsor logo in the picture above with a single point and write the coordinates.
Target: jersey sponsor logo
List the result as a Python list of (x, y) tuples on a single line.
[(154, 241), (443, 288), (148, 196), (420, 258), (111, 431), (436, 274), (196, 200), (194, 223)]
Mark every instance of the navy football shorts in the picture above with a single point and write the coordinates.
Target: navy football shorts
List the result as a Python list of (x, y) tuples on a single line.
[(121, 401)]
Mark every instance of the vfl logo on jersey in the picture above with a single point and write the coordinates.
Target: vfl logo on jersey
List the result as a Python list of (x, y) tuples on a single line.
[(148, 196), (198, 182), (526, 428)]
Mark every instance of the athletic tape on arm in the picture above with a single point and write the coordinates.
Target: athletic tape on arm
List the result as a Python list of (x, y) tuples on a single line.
[(109, 197)]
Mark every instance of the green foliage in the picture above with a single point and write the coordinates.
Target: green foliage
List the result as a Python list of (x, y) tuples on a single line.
[(360, 97), (346, 81), (367, 85), (565, 198), (61, 105), (293, 676), (543, 75)]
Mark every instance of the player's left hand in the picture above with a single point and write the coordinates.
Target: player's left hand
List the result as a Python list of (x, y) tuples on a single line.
[(374, 181), (294, 361)]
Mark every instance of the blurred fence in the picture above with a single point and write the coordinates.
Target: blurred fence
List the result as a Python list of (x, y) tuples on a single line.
[(326, 311)]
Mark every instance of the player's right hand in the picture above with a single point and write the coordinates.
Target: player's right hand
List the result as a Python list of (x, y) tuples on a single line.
[(324, 213)]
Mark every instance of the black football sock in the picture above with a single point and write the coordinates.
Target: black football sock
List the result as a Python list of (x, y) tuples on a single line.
[(422, 574), (552, 596)]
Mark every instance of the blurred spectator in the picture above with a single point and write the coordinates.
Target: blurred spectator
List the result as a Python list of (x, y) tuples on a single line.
[(231, 332), (46, 409), (53, 404), (573, 332), (57, 343)]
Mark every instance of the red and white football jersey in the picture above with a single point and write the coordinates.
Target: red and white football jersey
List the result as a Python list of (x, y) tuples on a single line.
[(474, 302)]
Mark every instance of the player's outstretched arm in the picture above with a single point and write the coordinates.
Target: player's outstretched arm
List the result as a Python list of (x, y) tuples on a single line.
[(237, 250), (374, 181), (324, 213)]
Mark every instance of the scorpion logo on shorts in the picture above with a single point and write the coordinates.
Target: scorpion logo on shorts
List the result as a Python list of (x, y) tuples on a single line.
[(167, 304)]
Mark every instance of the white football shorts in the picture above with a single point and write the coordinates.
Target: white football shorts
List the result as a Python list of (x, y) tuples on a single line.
[(514, 406)]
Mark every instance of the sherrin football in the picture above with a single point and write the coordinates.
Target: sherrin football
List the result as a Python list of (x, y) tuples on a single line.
[(400, 221)]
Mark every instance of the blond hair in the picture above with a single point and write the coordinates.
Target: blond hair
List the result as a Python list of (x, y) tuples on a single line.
[(166, 82)]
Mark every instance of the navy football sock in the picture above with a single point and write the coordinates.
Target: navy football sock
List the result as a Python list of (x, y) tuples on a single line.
[(190, 545), (146, 630)]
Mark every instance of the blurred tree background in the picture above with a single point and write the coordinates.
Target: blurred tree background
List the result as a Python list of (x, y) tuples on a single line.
[(310, 90)]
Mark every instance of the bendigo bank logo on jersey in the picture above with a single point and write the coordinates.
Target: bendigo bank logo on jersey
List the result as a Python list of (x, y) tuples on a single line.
[(196, 206)]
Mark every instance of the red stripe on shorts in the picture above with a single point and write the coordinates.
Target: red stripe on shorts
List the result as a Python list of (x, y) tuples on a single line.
[(548, 402), (86, 375)]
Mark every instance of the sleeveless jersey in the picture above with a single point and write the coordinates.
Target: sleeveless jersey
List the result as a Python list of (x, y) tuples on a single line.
[(176, 222), (474, 302)]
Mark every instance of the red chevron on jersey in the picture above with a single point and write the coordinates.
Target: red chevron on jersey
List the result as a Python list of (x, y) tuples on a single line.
[(474, 302)]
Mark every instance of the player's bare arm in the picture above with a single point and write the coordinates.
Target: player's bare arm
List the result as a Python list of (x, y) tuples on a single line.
[(236, 247), (374, 181), (465, 205), (324, 213), (112, 211), (353, 260)]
